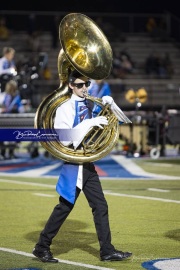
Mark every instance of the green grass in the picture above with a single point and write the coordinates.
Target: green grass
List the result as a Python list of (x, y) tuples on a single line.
[(164, 166), (148, 228)]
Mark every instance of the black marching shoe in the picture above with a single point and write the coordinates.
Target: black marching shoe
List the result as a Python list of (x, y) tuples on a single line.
[(44, 256), (116, 255)]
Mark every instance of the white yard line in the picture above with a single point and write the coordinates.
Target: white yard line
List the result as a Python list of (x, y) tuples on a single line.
[(158, 190), (61, 261), (142, 197), (44, 195), (27, 183), (106, 192)]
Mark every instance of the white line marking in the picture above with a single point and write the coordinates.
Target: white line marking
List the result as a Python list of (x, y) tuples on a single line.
[(161, 178), (27, 183), (43, 195), (61, 261), (158, 190), (129, 165), (141, 197), (105, 192), (39, 171), (171, 264)]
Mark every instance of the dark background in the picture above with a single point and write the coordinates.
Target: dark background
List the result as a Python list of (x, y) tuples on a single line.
[(100, 6)]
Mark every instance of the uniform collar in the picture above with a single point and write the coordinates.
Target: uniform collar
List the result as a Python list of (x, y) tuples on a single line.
[(74, 97)]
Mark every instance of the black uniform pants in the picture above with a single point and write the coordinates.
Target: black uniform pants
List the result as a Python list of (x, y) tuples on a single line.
[(95, 197)]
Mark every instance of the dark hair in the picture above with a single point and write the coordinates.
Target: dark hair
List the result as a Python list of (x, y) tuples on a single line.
[(74, 75)]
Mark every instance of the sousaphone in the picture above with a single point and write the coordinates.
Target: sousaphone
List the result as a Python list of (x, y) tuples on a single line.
[(86, 49)]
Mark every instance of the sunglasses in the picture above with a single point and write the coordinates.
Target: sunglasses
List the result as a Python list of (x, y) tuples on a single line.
[(80, 85)]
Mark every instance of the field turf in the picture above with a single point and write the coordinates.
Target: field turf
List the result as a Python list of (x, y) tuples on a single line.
[(144, 218)]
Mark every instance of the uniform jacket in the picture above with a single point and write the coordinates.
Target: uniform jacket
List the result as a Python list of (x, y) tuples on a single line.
[(68, 116)]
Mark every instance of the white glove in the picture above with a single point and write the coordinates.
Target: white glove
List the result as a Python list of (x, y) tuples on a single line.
[(98, 121), (119, 114), (85, 126), (115, 109), (107, 100)]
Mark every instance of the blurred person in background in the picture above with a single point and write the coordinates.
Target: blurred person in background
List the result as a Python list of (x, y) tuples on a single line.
[(99, 88), (7, 66), (122, 64), (12, 102)]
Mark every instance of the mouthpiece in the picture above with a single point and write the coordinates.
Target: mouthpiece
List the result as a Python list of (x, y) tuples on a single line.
[(85, 93)]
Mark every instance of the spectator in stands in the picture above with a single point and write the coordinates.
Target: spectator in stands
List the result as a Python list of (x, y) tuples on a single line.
[(157, 29), (12, 100), (11, 104), (159, 66), (116, 66), (7, 66), (124, 54), (167, 62), (152, 27), (99, 88), (47, 74), (4, 30), (152, 64), (126, 64), (34, 42), (162, 71), (122, 64)]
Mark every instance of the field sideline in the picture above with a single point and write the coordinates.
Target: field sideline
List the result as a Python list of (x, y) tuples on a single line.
[(144, 219)]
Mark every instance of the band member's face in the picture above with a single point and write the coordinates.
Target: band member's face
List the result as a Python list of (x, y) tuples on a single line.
[(80, 86)]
